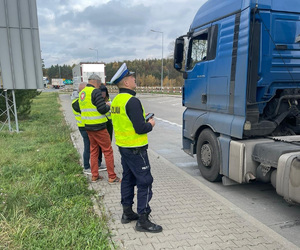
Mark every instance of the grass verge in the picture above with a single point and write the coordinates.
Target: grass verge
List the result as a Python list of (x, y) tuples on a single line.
[(45, 202)]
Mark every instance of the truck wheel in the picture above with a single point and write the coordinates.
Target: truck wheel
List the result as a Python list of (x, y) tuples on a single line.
[(208, 155)]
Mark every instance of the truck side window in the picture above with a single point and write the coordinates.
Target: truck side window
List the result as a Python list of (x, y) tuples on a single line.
[(203, 47), (197, 50)]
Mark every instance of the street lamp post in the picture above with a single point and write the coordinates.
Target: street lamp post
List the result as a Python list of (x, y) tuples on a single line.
[(59, 73), (162, 57), (96, 51)]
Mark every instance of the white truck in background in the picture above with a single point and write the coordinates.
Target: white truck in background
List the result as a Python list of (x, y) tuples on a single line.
[(57, 83), (82, 71)]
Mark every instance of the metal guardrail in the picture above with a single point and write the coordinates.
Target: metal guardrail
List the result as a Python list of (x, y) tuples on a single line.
[(147, 90), (157, 90)]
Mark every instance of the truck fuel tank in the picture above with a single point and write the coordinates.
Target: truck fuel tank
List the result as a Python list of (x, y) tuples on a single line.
[(273, 159), (288, 176), (283, 156)]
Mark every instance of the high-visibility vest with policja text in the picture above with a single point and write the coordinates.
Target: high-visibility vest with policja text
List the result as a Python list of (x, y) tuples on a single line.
[(124, 131)]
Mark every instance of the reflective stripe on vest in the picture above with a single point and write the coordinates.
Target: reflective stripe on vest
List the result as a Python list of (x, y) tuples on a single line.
[(77, 116), (124, 131), (89, 112)]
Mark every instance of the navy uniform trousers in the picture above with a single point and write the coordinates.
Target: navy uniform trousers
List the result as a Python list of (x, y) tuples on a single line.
[(136, 171)]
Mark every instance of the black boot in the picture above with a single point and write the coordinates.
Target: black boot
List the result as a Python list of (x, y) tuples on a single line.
[(145, 225), (128, 215)]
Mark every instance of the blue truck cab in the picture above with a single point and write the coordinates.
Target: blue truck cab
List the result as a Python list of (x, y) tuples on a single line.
[(241, 63)]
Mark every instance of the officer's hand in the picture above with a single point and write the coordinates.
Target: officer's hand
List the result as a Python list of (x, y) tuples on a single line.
[(108, 103), (152, 121)]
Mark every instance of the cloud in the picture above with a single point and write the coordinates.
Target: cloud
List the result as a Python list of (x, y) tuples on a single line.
[(111, 18), (119, 30)]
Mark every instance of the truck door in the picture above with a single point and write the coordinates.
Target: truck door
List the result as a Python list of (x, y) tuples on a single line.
[(202, 49)]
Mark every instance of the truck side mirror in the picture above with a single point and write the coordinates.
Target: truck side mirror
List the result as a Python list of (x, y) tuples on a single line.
[(178, 53)]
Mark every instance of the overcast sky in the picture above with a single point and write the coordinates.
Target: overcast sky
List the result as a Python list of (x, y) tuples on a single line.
[(118, 29)]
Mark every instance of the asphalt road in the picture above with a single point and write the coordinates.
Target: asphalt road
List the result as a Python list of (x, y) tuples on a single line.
[(257, 199)]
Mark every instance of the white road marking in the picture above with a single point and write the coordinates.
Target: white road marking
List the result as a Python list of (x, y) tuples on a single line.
[(172, 123), (165, 101)]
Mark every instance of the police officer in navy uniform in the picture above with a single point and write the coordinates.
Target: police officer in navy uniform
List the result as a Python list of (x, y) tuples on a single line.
[(131, 128)]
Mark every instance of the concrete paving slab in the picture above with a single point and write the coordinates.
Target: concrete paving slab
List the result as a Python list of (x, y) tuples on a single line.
[(192, 215)]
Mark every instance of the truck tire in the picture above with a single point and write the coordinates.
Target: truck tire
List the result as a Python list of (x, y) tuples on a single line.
[(208, 155)]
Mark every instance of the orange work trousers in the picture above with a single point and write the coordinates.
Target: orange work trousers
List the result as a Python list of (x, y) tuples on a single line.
[(101, 139)]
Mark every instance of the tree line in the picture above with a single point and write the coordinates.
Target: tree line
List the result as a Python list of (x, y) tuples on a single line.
[(147, 72), (57, 71)]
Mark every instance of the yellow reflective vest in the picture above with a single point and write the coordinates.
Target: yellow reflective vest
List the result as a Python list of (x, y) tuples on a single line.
[(89, 112), (80, 124), (124, 131)]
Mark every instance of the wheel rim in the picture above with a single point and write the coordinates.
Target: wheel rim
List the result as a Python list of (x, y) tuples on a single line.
[(206, 154)]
